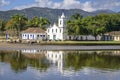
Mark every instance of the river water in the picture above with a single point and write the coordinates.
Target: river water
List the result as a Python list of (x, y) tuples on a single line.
[(60, 65)]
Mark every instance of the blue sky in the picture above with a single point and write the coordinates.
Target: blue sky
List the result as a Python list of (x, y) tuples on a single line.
[(87, 5)]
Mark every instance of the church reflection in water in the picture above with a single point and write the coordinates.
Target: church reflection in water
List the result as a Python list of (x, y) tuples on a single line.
[(66, 62), (55, 58), (77, 59)]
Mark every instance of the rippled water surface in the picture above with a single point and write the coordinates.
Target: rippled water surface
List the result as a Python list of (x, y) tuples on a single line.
[(59, 65)]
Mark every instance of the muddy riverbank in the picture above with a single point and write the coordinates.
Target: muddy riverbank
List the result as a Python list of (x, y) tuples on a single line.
[(13, 46)]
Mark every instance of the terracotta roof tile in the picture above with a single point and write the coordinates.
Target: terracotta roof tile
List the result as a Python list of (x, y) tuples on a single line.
[(114, 33), (33, 30)]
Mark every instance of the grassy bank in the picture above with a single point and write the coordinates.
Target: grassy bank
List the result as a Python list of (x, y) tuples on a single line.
[(70, 42), (80, 43)]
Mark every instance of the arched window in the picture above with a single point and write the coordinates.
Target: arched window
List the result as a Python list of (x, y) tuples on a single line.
[(60, 30), (52, 30), (56, 30), (60, 22)]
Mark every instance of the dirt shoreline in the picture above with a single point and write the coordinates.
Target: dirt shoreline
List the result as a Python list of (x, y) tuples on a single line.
[(16, 46)]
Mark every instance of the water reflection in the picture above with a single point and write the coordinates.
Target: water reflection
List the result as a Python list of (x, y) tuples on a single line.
[(60, 64), (62, 59), (20, 60)]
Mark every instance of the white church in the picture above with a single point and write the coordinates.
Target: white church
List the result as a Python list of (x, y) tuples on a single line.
[(57, 31)]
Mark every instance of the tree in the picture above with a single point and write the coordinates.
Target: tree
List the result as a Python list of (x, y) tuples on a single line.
[(38, 22), (34, 22), (19, 23), (76, 16), (95, 25), (75, 25), (2, 26), (43, 22)]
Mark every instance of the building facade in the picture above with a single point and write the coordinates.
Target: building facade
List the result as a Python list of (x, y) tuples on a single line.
[(111, 36), (33, 34), (57, 31)]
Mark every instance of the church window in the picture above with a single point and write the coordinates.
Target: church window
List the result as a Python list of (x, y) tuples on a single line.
[(56, 55), (60, 21), (60, 30), (37, 35), (56, 30), (60, 56), (52, 30), (41, 35)]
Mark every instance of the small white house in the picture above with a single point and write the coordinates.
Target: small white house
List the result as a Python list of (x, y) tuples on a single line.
[(33, 34), (57, 31), (112, 36)]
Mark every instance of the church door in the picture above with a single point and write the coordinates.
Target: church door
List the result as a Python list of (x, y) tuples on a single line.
[(54, 37)]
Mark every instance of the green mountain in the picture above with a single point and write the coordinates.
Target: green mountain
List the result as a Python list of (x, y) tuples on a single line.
[(51, 14)]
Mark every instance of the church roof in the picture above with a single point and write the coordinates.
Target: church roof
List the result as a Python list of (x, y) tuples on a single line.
[(33, 30), (114, 33), (62, 16)]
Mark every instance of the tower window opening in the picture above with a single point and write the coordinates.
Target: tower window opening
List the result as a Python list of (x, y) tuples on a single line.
[(60, 22)]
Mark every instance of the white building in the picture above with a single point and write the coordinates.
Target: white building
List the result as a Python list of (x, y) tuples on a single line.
[(57, 31), (33, 34), (56, 58)]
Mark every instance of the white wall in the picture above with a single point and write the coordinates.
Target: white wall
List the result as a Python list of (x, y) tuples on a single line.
[(83, 37), (55, 31), (33, 36)]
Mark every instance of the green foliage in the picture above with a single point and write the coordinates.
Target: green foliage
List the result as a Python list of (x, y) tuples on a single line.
[(75, 60), (2, 25), (38, 22), (19, 21), (20, 62), (79, 59), (97, 25), (75, 25)]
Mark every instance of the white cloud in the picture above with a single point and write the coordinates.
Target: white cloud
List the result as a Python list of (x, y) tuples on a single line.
[(4, 2), (89, 5), (106, 4), (65, 4)]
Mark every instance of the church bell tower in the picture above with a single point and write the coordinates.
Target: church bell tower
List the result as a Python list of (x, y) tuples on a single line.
[(61, 21)]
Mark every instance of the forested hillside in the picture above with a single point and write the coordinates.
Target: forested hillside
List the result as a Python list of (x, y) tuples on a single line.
[(51, 14)]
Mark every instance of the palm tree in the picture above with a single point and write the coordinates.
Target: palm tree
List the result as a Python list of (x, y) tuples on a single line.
[(2, 26), (75, 26), (96, 28), (19, 23), (34, 22), (38, 22)]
